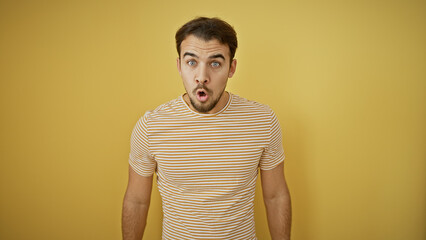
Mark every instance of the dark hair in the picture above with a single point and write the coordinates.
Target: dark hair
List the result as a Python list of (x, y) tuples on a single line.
[(208, 29)]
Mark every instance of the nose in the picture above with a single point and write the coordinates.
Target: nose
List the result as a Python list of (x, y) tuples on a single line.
[(202, 76)]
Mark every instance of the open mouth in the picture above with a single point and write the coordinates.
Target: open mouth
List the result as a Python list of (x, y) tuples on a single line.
[(202, 95)]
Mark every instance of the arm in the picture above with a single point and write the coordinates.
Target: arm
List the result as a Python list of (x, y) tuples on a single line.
[(135, 205), (277, 202)]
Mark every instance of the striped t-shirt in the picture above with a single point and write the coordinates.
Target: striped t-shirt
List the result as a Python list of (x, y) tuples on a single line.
[(207, 165)]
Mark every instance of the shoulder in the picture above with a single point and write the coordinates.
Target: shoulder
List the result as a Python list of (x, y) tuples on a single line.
[(244, 104), (169, 108)]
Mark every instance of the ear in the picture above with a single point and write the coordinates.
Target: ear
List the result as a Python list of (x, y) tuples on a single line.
[(232, 68), (178, 64)]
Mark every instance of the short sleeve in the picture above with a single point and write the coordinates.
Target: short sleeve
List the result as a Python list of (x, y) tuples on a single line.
[(273, 153), (140, 158)]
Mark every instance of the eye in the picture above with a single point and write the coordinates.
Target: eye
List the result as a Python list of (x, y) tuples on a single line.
[(215, 64), (191, 63)]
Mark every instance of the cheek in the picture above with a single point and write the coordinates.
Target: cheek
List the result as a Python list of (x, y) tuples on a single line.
[(221, 77), (187, 81), (187, 74)]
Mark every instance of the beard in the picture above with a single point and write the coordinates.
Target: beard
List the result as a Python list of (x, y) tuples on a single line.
[(206, 106)]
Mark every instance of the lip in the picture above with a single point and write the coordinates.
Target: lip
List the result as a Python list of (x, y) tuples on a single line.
[(204, 97)]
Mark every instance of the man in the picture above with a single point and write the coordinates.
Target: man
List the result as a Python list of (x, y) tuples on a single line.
[(206, 147)]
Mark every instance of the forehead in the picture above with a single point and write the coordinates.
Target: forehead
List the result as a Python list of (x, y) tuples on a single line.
[(201, 47)]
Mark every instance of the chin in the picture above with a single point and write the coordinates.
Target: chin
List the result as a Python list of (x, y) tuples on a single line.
[(202, 107)]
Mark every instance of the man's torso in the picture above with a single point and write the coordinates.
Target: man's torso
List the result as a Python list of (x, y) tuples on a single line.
[(207, 167)]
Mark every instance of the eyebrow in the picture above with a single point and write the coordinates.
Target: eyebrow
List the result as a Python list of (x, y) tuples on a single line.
[(190, 54), (219, 55)]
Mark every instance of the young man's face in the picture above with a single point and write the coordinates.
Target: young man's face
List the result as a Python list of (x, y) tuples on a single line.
[(205, 68)]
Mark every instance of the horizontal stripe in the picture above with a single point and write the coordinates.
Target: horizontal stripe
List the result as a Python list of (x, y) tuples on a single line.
[(207, 165)]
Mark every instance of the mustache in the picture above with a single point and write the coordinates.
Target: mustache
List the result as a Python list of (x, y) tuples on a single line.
[(201, 86)]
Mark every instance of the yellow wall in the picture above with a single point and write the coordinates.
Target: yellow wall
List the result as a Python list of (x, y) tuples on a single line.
[(347, 80)]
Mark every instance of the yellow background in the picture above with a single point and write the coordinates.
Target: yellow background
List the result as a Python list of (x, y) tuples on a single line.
[(347, 80)]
